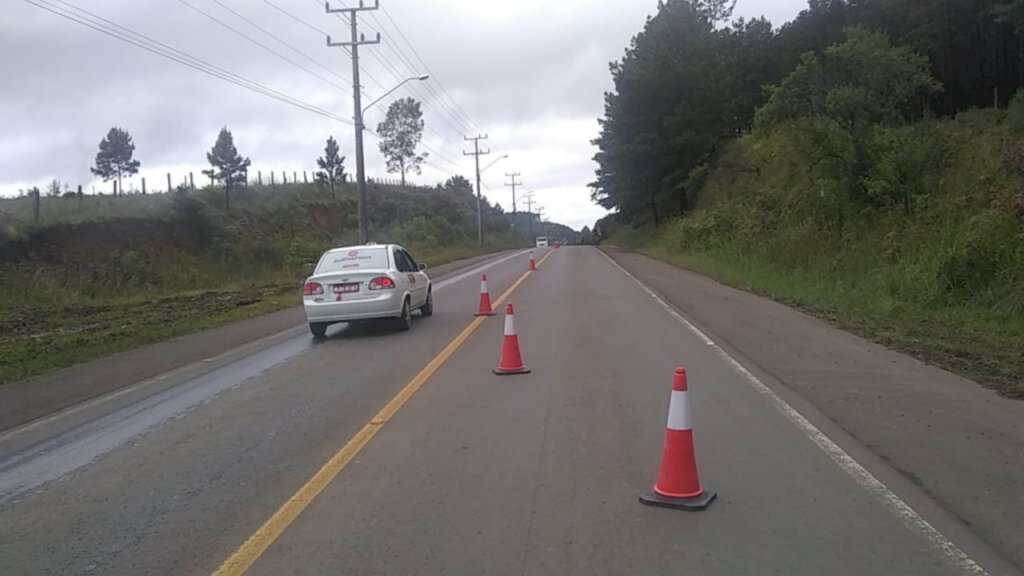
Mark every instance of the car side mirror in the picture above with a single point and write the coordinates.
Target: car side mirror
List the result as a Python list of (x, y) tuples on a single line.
[(423, 266)]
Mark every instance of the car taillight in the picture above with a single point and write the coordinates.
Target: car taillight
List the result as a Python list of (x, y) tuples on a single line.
[(312, 289), (382, 283)]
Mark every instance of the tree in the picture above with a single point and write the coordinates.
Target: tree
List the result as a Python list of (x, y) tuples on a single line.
[(53, 188), (1012, 12), (400, 132), (228, 165), (863, 81), (684, 87), (332, 166), (114, 158)]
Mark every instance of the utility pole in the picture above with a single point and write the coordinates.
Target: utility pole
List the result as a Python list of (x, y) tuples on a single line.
[(479, 211), (513, 184), (529, 210), (357, 41)]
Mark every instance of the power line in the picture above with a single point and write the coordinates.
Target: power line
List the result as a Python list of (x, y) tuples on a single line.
[(262, 45), (116, 31), (397, 75), (294, 17), (323, 4), (279, 40), (426, 68), (401, 56)]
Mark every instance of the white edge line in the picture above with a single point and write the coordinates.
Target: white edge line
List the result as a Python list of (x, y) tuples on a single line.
[(907, 515), (74, 409)]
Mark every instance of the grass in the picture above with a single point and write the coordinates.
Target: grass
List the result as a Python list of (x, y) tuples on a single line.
[(974, 342), (49, 334)]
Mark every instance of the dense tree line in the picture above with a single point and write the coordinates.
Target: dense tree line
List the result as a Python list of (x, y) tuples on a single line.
[(694, 78)]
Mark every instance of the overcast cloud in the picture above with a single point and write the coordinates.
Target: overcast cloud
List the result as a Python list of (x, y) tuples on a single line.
[(530, 73)]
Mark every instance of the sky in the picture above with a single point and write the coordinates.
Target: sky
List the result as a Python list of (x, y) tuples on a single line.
[(529, 74)]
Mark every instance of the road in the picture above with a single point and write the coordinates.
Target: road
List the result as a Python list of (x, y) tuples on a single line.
[(384, 453)]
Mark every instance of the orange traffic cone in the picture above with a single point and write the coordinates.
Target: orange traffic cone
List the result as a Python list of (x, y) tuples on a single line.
[(678, 485), (511, 361), (485, 299), (533, 265)]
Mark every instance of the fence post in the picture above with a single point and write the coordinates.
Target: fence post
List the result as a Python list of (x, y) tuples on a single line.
[(305, 177), (295, 177), (169, 187), (284, 177), (191, 182), (79, 192), (211, 179), (143, 185), (35, 205), (259, 177), (271, 177)]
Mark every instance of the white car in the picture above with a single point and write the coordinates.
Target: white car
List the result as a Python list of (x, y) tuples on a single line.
[(542, 241), (368, 282)]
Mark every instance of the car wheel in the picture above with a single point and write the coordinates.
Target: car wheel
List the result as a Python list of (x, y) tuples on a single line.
[(404, 322), (428, 306), (319, 330)]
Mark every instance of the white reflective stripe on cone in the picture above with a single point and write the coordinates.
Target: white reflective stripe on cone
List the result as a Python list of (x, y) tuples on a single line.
[(510, 325), (679, 411), (483, 286)]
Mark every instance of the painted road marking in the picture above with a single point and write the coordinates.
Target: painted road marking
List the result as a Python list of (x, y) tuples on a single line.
[(907, 515), (250, 347), (271, 530)]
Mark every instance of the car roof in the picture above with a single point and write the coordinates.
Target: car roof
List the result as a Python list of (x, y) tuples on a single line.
[(363, 247)]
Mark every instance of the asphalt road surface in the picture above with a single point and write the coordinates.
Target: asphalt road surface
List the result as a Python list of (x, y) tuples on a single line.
[(401, 453)]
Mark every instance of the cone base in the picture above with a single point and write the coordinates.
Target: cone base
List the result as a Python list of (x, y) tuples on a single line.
[(486, 314), (701, 502), (505, 372)]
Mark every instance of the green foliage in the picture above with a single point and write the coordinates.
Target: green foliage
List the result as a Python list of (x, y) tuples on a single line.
[(115, 157), (401, 132), (862, 82), (332, 166), (228, 165), (682, 89)]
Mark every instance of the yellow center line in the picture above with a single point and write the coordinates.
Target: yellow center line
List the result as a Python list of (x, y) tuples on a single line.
[(271, 530)]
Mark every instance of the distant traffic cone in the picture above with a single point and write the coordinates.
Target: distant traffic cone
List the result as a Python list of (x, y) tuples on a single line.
[(678, 485), (533, 265), (485, 299), (511, 361)]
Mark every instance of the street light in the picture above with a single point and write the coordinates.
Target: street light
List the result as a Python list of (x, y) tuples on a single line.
[(496, 160), (360, 170), (400, 84)]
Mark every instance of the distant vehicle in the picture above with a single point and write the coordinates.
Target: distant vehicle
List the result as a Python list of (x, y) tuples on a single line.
[(371, 282), (542, 241)]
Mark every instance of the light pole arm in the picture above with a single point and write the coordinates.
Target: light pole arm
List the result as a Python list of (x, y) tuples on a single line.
[(400, 84)]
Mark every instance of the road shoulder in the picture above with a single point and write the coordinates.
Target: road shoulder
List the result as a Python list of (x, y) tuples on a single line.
[(960, 443), (27, 400)]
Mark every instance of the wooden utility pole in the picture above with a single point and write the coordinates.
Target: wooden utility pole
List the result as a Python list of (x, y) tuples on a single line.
[(353, 44), (476, 153), (513, 184)]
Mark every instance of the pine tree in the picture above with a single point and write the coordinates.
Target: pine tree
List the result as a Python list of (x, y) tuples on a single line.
[(332, 166), (114, 158), (228, 165)]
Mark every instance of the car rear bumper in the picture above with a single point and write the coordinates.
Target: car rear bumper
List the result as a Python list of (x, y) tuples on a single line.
[(387, 305)]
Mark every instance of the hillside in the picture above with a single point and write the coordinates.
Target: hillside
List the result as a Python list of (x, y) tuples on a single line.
[(850, 188), (101, 274)]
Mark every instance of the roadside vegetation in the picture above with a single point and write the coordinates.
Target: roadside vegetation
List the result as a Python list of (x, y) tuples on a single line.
[(870, 185), (103, 274)]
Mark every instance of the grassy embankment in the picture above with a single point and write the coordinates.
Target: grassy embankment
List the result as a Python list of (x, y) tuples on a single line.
[(103, 275), (938, 274)]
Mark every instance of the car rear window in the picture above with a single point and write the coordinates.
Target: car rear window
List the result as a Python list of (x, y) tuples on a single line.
[(354, 259)]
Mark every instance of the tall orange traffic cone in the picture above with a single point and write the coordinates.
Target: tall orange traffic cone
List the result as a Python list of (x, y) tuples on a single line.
[(485, 299), (533, 265), (678, 485), (511, 361)]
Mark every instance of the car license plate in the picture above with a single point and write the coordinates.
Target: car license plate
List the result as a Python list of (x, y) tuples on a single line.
[(346, 288)]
